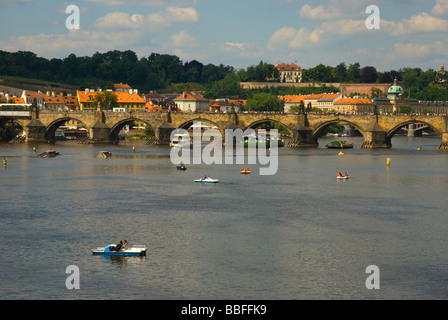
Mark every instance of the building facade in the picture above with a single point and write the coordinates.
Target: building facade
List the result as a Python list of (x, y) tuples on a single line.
[(191, 102), (353, 106), (289, 72)]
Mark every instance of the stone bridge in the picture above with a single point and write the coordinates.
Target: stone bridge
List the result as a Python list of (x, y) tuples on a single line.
[(104, 126)]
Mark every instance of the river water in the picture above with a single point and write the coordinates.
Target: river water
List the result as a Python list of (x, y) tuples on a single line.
[(298, 234)]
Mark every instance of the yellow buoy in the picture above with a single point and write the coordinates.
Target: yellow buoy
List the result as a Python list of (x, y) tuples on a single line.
[(388, 161), (419, 148), (341, 153), (133, 148)]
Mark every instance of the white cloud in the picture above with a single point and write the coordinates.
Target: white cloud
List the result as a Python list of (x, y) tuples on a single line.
[(183, 39), (243, 49), (282, 37), (319, 13), (120, 20), (419, 50), (440, 8), (74, 41), (181, 14), (340, 31), (410, 50), (152, 3), (422, 22), (237, 45), (172, 15), (151, 23)]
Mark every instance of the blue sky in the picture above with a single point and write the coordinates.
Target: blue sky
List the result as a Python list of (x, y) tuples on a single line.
[(412, 33)]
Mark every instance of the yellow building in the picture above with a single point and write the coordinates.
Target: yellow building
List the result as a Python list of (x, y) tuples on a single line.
[(353, 105), (53, 102), (130, 100)]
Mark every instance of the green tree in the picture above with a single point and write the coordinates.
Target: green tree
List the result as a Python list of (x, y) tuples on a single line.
[(406, 110), (339, 72), (265, 102), (106, 99), (354, 73)]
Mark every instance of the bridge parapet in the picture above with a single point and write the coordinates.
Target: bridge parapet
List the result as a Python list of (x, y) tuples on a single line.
[(104, 126)]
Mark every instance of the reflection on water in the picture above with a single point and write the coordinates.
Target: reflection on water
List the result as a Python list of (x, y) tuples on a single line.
[(300, 234)]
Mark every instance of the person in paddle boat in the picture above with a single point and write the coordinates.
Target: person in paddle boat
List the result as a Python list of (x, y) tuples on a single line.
[(339, 174), (118, 247)]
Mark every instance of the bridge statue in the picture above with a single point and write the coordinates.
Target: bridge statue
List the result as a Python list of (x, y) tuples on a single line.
[(308, 107), (302, 107)]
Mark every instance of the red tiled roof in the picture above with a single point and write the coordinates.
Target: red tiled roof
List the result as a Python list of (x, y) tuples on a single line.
[(287, 67), (122, 97), (353, 101), (121, 85), (186, 95)]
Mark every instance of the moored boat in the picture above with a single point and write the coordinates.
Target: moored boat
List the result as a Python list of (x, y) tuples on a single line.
[(339, 144), (48, 154), (136, 250), (245, 171)]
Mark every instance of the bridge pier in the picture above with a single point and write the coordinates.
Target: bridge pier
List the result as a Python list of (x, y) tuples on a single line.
[(302, 137), (163, 133), (444, 145), (413, 132), (375, 138), (35, 131), (99, 133)]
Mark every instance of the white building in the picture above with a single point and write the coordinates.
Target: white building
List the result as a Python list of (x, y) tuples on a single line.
[(191, 102), (289, 72)]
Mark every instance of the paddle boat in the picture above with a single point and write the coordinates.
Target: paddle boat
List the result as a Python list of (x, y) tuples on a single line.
[(342, 176), (133, 251), (245, 171), (206, 180)]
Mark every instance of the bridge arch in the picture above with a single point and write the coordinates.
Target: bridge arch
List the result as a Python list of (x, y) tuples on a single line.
[(9, 128), (325, 124), (55, 124), (185, 125), (268, 120), (115, 130), (397, 127)]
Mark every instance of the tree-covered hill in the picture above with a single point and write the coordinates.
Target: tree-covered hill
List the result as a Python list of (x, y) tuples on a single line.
[(164, 72)]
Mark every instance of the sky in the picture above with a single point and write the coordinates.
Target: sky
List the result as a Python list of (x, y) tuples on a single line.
[(406, 33)]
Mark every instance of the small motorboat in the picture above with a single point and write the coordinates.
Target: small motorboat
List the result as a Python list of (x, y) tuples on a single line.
[(206, 180), (245, 171), (343, 177), (133, 251)]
